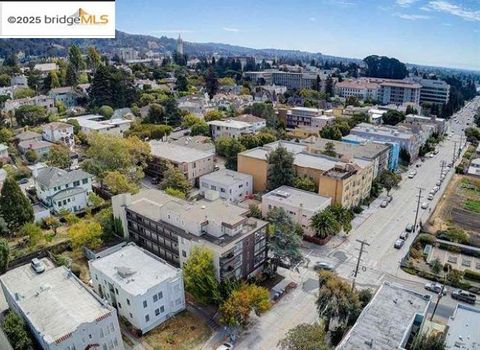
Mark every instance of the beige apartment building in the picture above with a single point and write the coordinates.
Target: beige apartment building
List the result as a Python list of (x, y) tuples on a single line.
[(347, 182)]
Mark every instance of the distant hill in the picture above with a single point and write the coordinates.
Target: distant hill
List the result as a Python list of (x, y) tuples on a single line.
[(58, 47)]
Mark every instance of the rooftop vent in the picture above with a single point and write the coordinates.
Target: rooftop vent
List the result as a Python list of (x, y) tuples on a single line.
[(125, 272), (282, 194)]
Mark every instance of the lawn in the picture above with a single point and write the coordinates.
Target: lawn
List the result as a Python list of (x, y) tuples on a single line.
[(185, 331), (472, 205)]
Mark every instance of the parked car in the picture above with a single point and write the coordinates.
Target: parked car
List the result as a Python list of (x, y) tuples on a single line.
[(399, 243), (424, 205), (319, 265), (435, 287), (404, 235), (389, 198), (384, 204), (226, 346), (409, 228), (436, 189), (464, 296), (430, 197), (418, 165), (439, 183), (411, 175), (37, 265), (155, 180)]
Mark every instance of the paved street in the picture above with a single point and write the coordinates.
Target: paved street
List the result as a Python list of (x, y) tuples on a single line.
[(380, 227)]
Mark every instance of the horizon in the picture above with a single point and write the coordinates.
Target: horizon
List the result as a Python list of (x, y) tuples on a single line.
[(441, 33)]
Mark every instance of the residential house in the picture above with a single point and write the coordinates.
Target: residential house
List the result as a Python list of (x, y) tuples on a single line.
[(256, 123), (299, 205), (63, 190), (390, 321), (310, 117), (45, 68), (96, 123), (28, 136), (43, 101), (229, 128), (65, 95), (230, 185), (199, 142), (192, 162), (170, 227), (59, 132), (19, 81), (145, 290), (41, 148), (60, 312)]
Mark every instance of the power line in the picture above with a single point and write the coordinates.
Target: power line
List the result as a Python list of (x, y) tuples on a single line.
[(362, 244)]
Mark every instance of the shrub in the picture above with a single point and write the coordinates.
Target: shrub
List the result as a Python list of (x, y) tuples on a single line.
[(425, 238)]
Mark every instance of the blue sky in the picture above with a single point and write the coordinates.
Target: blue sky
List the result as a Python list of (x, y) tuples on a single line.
[(433, 32)]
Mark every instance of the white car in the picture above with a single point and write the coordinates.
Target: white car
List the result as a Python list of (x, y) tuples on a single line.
[(411, 175), (424, 205), (37, 265), (226, 346), (430, 197)]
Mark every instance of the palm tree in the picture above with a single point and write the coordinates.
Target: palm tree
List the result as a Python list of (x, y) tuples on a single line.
[(343, 215), (325, 224)]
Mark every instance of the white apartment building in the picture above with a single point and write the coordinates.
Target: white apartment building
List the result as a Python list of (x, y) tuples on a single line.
[(59, 132), (229, 128), (256, 123), (60, 311), (299, 205), (362, 89), (63, 190), (95, 123), (144, 289), (230, 185), (43, 101), (305, 116), (192, 162)]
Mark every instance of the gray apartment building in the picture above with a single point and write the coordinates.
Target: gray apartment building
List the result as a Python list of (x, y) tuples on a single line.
[(433, 91), (170, 228)]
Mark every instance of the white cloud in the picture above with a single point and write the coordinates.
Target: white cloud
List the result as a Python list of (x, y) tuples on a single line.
[(229, 29), (169, 31), (411, 17), (405, 3), (455, 10)]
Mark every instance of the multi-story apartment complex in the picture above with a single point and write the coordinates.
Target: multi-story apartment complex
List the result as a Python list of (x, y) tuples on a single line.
[(440, 124), (292, 80), (377, 153), (191, 161), (357, 171), (144, 289), (433, 91), (230, 185), (404, 138), (299, 205), (399, 92), (229, 128), (59, 132), (255, 122), (60, 311), (307, 117), (63, 190), (360, 88), (170, 227)]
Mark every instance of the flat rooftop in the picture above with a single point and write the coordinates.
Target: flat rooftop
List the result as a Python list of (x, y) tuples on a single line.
[(370, 129), (226, 176), (230, 123), (367, 150), (55, 301), (134, 269), (385, 322), (298, 198), (177, 153), (463, 328)]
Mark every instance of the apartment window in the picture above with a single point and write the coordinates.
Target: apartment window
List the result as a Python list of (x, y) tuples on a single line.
[(59, 204), (178, 301), (130, 314), (116, 291), (240, 186), (157, 312), (76, 183), (162, 309), (155, 298), (119, 305), (160, 295), (66, 185), (101, 333), (64, 202), (184, 253), (147, 318), (128, 301), (144, 304)]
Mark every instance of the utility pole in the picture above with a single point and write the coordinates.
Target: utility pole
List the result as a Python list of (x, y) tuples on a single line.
[(454, 152), (419, 196), (440, 295), (362, 244), (442, 165)]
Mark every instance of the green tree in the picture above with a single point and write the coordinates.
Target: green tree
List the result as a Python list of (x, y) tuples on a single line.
[(4, 254), (156, 114), (51, 81), (429, 342), (16, 332), (200, 129), (106, 111), (200, 276), (305, 183), (59, 156), (343, 216), (93, 59), (254, 211), (236, 310), (436, 266), (213, 115), (6, 135), (385, 67), (389, 180), (211, 82), (33, 232), (182, 82), (325, 224), (331, 132), (85, 233), (24, 92), (117, 183), (305, 337), (234, 148), (330, 149), (281, 170), (100, 89), (31, 156), (15, 208), (284, 242), (336, 299), (173, 178), (175, 192), (4, 80), (30, 115), (404, 156), (392, 117), (75, 65)]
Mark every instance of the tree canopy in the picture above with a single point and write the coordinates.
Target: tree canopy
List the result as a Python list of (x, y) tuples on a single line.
[(15, 208), (385, 67), (281, 170)]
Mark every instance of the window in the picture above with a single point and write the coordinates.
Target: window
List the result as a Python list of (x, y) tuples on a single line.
[(162, 309), (144, 304), (116, 291), (59, 203), (147, 318), (76, 183), (66, 185), (119, 305), (155, 298), (130, 314), (160, 295), (178, 301), (128, 302), (222, 190), (184, 253), (157, 312), (84, 181), (64, 202)]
